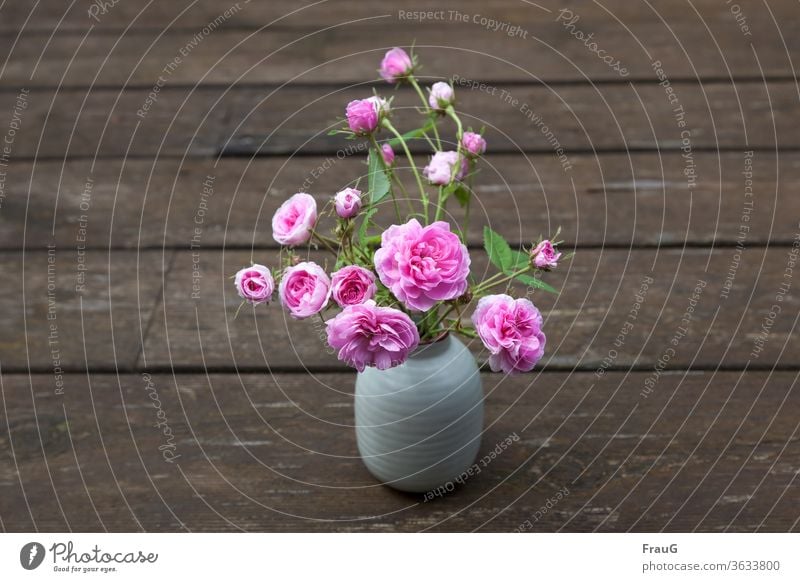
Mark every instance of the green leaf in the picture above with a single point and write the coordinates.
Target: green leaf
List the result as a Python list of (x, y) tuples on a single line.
[(378, 180), (537, 283), (520, 260), (362, 230), (497, 248), (461, 194)]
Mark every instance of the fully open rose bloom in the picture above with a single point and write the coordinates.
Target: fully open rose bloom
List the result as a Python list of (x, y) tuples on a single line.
[(304, 290), (368, 335), (255, 284), (422, 265), (441, 95), (511, 329), (294, 220), (440, 169), (347, 202), (545, 255), (473, 143), (396, 64), (352, 285)]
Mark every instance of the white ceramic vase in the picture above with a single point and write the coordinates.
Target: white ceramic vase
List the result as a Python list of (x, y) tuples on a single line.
[(419, 425)]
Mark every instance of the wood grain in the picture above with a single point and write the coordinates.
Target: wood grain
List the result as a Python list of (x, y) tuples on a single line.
[(598, 293), (707, 451), (618, 199), (243, 121), (345, 51)]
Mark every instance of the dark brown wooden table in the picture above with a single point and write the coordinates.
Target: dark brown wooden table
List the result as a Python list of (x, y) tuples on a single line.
[(132, 400)]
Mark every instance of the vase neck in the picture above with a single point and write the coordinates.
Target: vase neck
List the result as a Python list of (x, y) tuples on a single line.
[(431, 350)]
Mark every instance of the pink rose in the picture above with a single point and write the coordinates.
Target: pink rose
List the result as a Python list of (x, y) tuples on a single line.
[(422, 265), (440, 169), (545, 255), (441, 95), (388, 154), (396, 65), (473, 143), (347, 202), (511, 329), (304, 290), (352, 285), (294, 220), (362, 116), (368, 335), (380, 104), (255, 284)]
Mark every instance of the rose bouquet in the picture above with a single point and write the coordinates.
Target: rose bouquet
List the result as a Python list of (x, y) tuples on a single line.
[(410, 283)]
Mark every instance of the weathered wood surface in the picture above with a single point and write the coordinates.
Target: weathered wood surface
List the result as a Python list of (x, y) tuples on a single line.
[(344, 52), (246, 120), (705, 451), (598, 291), (643, 438), (618, 199)]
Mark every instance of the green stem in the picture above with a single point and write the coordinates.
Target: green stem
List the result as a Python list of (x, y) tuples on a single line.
[(440, 204), (379, 153), (397, 179), (388, 125), (486, 285), (427, 106), (324, 240)]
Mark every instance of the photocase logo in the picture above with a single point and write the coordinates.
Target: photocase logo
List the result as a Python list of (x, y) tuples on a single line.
[(31, 555)]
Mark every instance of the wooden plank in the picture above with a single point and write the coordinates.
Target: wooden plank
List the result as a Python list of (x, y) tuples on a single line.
[(707, 452), (296, 119), (592, 313), (72, 309), (347, 52), (617, 199)]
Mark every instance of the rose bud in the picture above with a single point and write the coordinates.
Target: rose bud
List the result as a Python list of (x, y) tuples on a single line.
[(381, 106), (255, 284), (388, 154), (352, 285), (544, 256), (441, 95), (347, 202), (304, 290), (439, 170), (362, 116), (396, 65), (294, 220), (473, 144)]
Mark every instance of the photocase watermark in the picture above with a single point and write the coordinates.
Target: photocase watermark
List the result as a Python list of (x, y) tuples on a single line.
[(744, 227), (169, 69), (491, 24), (14, 125), (568, 20), (679, 115), (53, 342), (329, 162), (760, 340), (680, 333), (100, 8), (81, 266), (474, 469), (206, 193), (168, 448), (622, 336), (321, 330), (739, 16), (506, 97), (551, 502)]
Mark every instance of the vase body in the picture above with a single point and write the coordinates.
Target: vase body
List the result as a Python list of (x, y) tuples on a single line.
[(419, 425)]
